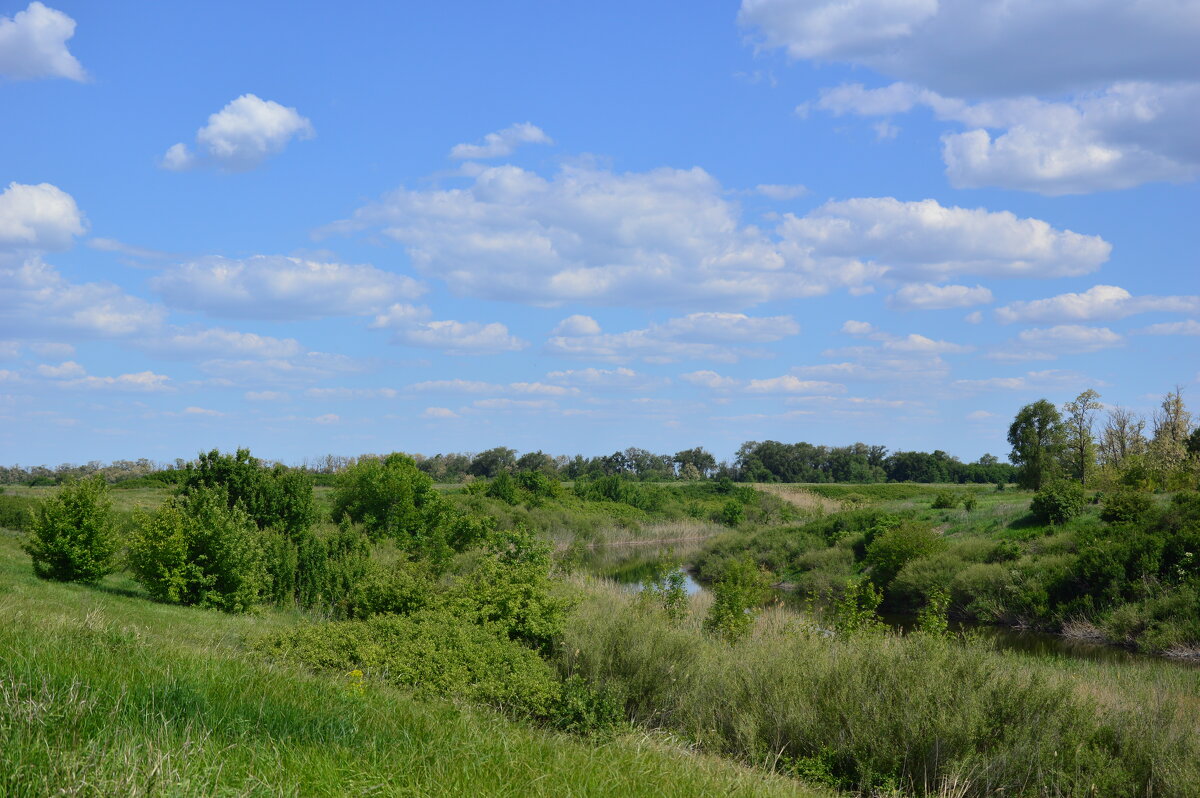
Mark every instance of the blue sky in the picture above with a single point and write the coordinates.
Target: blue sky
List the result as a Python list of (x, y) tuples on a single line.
[(444, 227)]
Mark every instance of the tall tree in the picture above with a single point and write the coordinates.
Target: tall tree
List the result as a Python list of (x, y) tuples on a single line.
[(1080, 445), (1168, 449), (1123, 437), (1036, 435)]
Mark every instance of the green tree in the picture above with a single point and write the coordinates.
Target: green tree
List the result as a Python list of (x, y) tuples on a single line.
[(72, 538), (493, 461), (1037, 440), (1080, 446), (274, 497), (736, 596)]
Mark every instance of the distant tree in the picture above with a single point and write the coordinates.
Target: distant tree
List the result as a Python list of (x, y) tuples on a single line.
[(1123, 437), (537, 461), (1167, 453), (699, 458), (1037, 438), (1080, 452), (493, 461)]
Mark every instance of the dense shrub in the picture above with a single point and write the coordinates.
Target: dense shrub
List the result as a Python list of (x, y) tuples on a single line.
[(72, 538), (17, 512), (896, 546), (1125, 507), (944, 500), (737, 595), (199, 550), (276, 497), (1057, 502)]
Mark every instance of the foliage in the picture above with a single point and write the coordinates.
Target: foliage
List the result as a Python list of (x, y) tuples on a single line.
[(854, 611), (665, 588), (1057, 502), (201, 551), (276, 497), (1125, 507), (933, 619), (945, 500), (71, 535), (736, 597), (17, 512), (1038, 442), (733, 513), (895, 546)]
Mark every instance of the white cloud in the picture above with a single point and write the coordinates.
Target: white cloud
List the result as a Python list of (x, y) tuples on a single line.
[(293, 371), (457, 386), (146, 381), (241, 135), (266, 396), (980, 415), (617, 379), (1189, 327), (328, 418), (278, 287), (989, 47), (1031, 381), (792, 384), (502, 142), (33, 44), (36, 301), (1098, 302), (926, 239), (695, 336), (351, 393), (1070, 338), (62, 371), (709, 379), (927, 296), (175, 342), (672, 237), (113, 245), (438, 413), (858, 327), (52, 349), (513, 404), (577, 325), (41, 217), (460, 338), (202, 411), (780, 191)]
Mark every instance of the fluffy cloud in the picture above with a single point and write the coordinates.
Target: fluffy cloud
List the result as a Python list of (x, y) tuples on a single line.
[(1121, 78), (146, 381), (241, 135), (474, 386), (33, 44), (460, 338), (780, 192), (927, 296), (1070, 338), (502, 142), (36, 301), (615, 379), (277, 287), (1105, 302), (1189, 327), (989, 47), (300, 370), (351, 393), (792, 384), (695, 336), (62, 371), (175, 342), (709, 379), (673, 237), (1051, 379), (41, 217), (438, 413), (577, 325)]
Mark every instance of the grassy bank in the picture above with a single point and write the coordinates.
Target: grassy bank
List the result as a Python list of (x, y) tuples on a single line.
[(103, 692)]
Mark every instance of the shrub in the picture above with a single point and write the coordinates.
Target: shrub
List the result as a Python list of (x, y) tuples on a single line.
[(72, 538), (969, 504), (1125, 507), (17, 512), (736, 596), (200, 551), (890, 550), (733, 513), (945, 500), (276, 497), (1057, 502)]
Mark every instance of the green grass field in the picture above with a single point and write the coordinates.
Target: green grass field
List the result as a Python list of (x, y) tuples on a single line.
[(104, 693)]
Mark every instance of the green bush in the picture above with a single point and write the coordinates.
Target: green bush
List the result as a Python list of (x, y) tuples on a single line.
[(276, 497), (733, 513), (1125, 507), (945, 500), (72, 537), (736, 597), (17, 512), (199, 550), (1058, 502), (890, 550)]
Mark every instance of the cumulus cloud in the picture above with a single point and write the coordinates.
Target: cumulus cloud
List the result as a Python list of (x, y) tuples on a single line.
[(1049, 379), (438, 413), (695, 336), (351, 393), (577, 325), (988, 47), (479, 387), (146, 381), (1100, 302), (1078, 96), (780, 192), (41, 217), (62, 371), (241, 135), (181, 343), (617, 379), (33, 44), (791, 384), (281, 288), (709, 379), (300, 370), (460, 338), (502, 142), (928, 296), (1070, 338), (858, 327), (36, 301), (1189, 327), (673, 237)]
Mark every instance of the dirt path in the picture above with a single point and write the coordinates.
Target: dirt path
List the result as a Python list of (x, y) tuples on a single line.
[(799, 497)]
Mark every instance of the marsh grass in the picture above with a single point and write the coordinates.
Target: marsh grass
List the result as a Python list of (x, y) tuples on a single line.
[(918, 714)]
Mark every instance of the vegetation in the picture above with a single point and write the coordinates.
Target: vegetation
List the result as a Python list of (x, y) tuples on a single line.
[(72, 538)]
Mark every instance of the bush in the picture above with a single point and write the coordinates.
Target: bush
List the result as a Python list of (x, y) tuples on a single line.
[(736, 596), (890, 550), (17, 512), (72, 538), (277, 497), (200, 551), (945, 500), (1057, 502), (1125, 507), (733, 513)]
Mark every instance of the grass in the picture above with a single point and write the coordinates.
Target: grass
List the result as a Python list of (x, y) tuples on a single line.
[(880, 712), (103, 692)]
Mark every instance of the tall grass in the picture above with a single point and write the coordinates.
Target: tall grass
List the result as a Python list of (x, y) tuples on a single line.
[(921, 714)]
